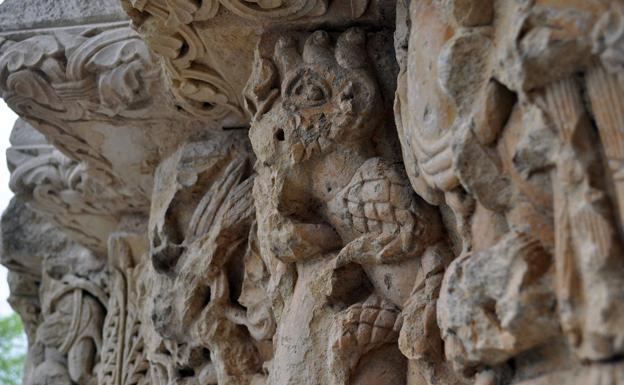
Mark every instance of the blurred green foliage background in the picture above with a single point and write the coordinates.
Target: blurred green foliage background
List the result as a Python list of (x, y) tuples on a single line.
[(13, 347)]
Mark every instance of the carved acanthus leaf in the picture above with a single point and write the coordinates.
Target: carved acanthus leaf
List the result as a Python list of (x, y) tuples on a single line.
[(124, 358), (63, 190), (58, 79)]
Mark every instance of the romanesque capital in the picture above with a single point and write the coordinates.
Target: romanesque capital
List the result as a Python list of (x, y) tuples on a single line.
[(316, 192)]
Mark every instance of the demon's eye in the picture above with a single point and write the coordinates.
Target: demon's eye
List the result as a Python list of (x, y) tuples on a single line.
[(307, 89)]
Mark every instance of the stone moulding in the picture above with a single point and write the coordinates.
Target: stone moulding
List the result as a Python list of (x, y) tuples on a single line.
[(185, 11)]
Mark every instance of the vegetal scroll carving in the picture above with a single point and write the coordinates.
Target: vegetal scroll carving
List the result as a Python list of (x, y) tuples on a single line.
[(197, 83), (204, 83), (62, 189), (282, 229), (58, 79), (187, 11)]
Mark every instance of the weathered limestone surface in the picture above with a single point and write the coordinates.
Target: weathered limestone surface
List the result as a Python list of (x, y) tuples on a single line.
[(16, 15), (316, 192)]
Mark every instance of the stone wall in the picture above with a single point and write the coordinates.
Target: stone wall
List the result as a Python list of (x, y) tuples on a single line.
[(316, 192)]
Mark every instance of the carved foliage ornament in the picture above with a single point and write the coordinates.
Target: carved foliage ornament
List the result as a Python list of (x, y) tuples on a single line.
[(62, 189), (124, 357), (196, 81), (55, 79), (199, 82)]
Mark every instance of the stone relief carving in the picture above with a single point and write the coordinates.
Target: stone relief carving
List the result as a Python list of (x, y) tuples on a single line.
[(314, 204), (207, 306), (208, 85), (338, 212), (124, 357), (199, 85), (69, 296), (61, 188), (23, 261), (60, 78), (70, 334), (186, 12), (498, 113), (92, 91)]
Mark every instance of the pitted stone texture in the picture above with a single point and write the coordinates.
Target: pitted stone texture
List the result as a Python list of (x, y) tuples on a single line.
[(510, 121), (18, 15)]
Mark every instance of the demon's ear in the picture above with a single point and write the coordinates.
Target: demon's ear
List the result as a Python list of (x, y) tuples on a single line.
[(261, 89), (286, 54), (351, 49)]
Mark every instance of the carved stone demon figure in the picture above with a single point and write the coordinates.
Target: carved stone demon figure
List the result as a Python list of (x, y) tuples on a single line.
[(360, 240)]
